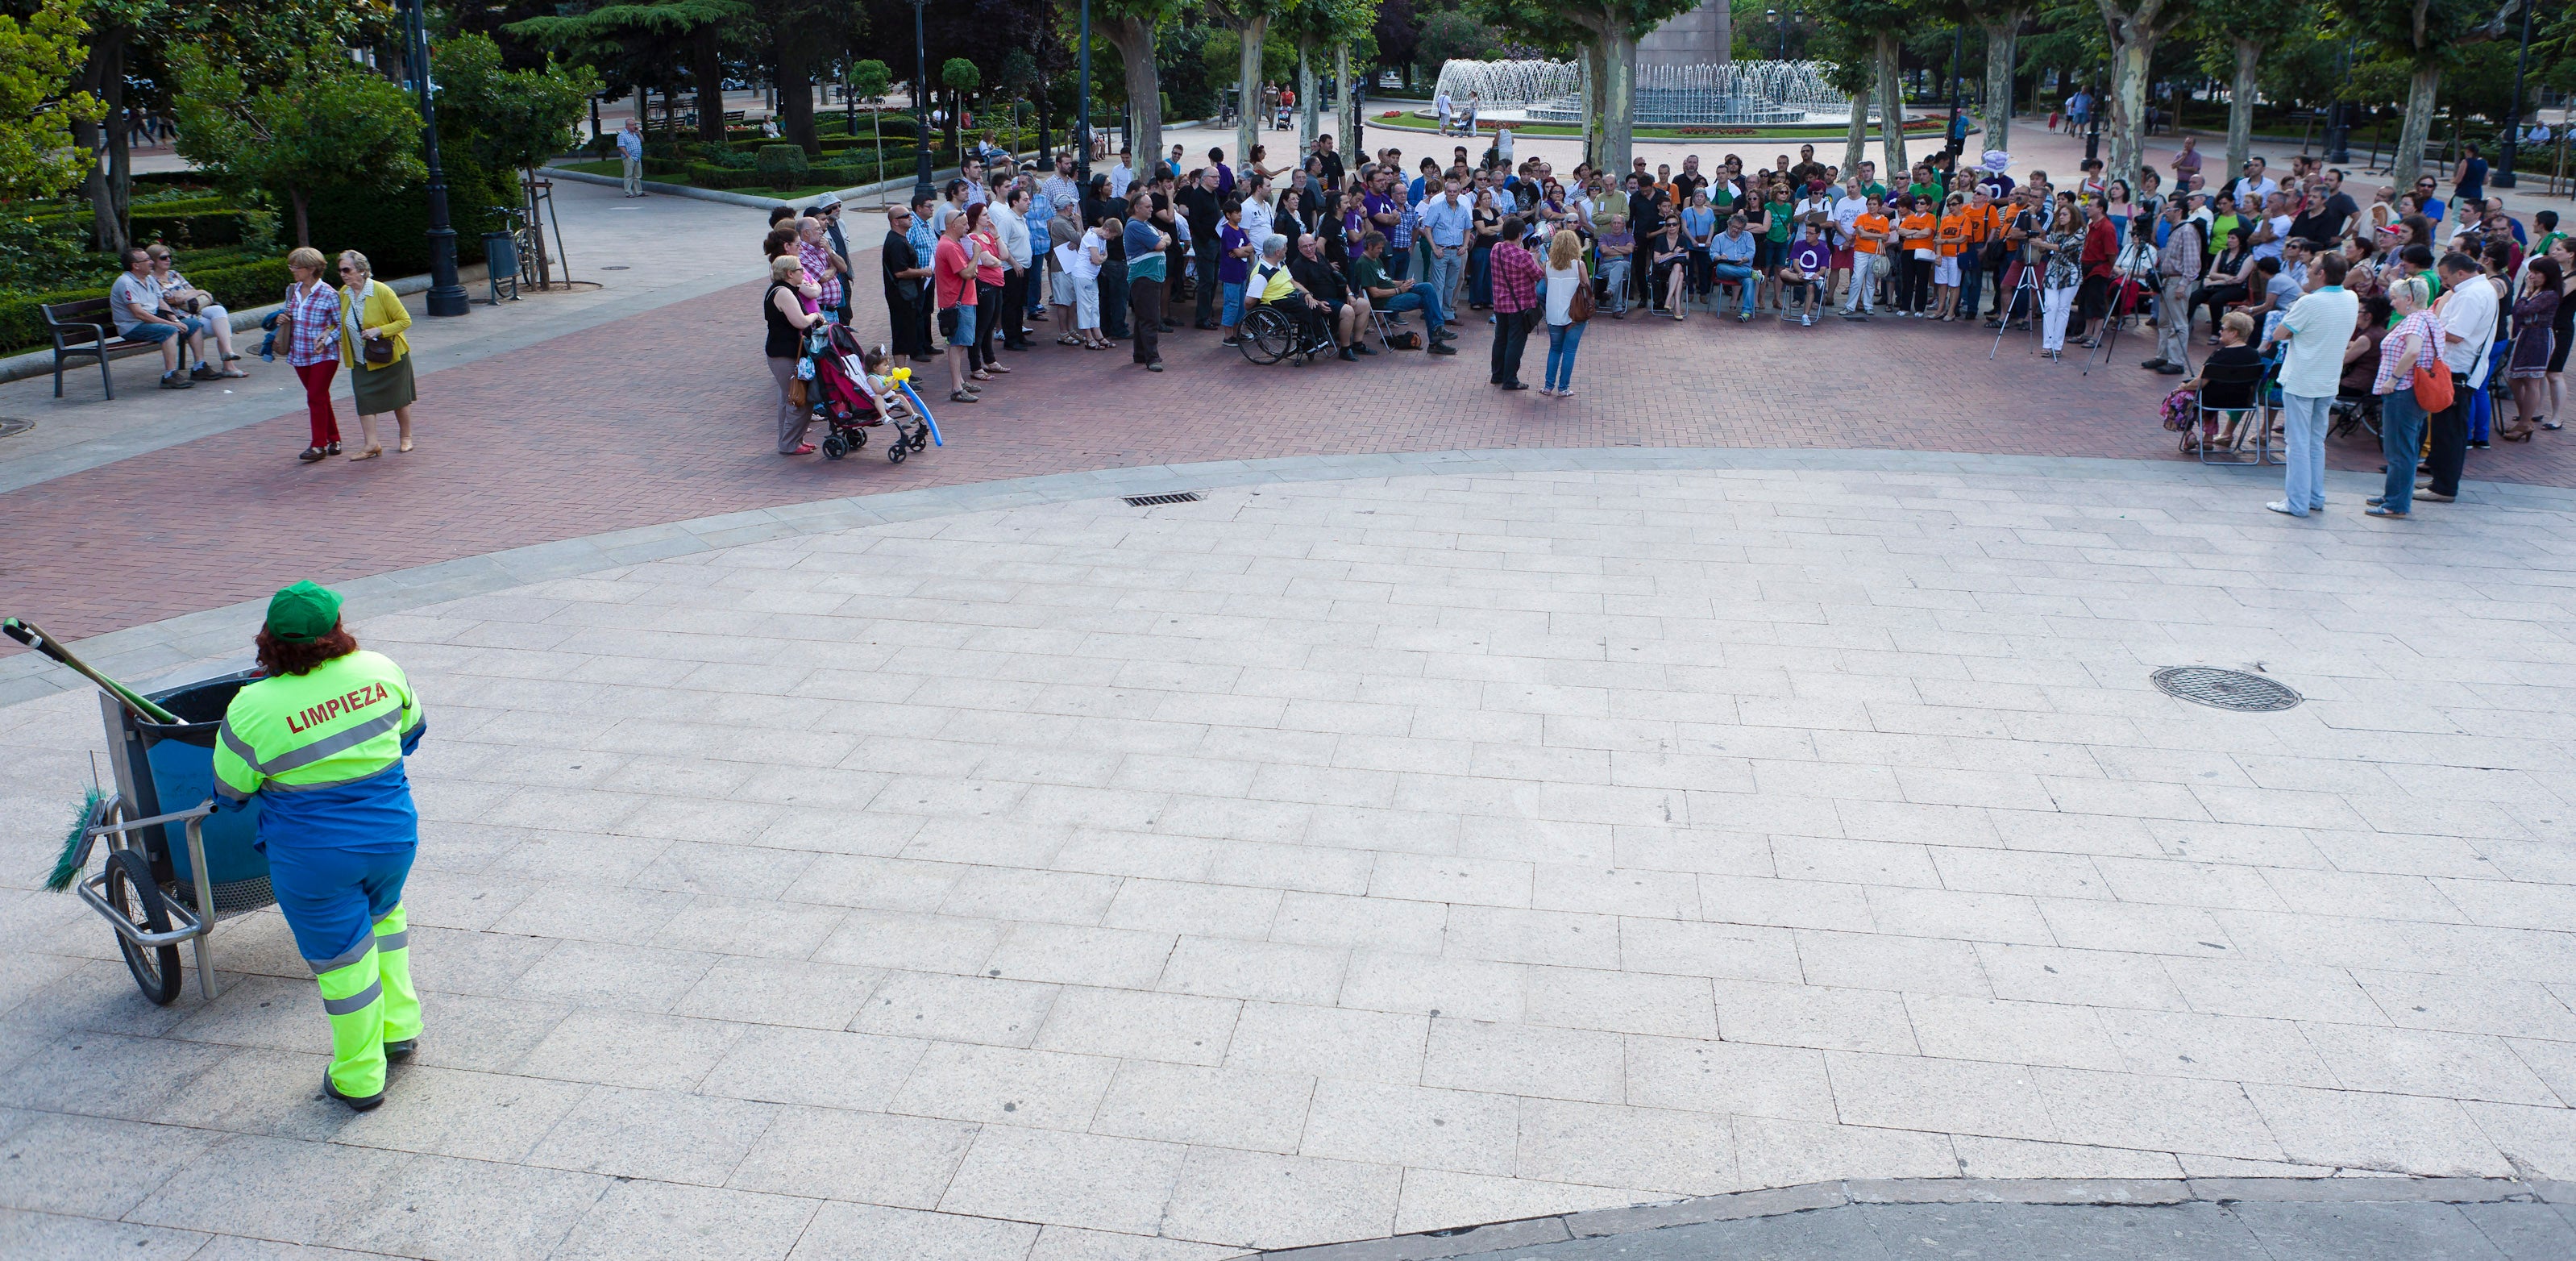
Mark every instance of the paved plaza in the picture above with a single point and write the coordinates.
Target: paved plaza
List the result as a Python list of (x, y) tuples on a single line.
[(1384, 847), (1723, 813)]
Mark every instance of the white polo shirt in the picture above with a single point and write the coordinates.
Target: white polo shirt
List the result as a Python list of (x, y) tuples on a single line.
[(2469, 313)]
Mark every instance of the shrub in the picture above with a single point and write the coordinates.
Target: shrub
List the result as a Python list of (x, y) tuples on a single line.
[(190, 229), (782, 164)]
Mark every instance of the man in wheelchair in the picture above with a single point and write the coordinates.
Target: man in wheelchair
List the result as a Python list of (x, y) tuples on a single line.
[(1274, 287), (1324, 287)]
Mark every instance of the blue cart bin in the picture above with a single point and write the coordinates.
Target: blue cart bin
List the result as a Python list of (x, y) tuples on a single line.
[(160, 834)]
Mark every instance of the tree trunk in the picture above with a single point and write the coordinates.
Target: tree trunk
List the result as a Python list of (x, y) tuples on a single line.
[(296, 203), (1346, 112), (1247, 96), (1892, 169), (2127, 125), (707, 72), (2418, 125), (108, 187), (2240, 105), (1134, 41), (1618, 80), (795, 101), (2001, 40), (1856, 136), (1588, 77), (1309, 118)]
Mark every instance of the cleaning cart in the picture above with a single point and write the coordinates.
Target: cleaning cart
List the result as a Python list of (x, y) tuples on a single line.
[(174, 868)]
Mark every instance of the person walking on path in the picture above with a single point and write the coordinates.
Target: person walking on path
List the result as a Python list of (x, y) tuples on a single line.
[(1145, 261), (1565, 279), (320, 742), (2415, 344), (1516, 277), (783, 310), (2317, 328), (312, 323), (630, 153), (372, 320), (905, 273)]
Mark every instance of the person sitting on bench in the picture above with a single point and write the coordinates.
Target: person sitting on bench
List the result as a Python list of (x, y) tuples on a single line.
[(134, 303)]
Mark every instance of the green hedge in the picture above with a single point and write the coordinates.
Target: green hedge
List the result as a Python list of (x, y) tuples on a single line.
[(191, 229), (239, 287), (392, 228)]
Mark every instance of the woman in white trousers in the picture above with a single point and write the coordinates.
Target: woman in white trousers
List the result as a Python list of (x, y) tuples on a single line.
[(2064, 246)]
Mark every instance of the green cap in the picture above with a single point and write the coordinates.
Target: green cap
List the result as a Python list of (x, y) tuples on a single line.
[(303, 611)]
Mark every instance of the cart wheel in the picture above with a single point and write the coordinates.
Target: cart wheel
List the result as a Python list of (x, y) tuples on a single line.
[(130, 890), (895, 453), (834, 448)]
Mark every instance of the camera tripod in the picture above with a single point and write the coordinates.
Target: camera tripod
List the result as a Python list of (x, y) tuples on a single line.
[(2027, 283)]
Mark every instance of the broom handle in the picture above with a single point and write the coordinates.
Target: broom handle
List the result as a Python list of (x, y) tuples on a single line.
[(34, 636)]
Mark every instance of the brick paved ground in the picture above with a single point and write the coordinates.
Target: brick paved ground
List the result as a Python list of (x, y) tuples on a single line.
[(665, 416)]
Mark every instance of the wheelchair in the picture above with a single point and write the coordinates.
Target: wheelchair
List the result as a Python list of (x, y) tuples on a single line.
[(1268, 335)]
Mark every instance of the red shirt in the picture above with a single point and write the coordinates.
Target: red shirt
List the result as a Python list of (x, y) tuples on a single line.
[(953, 273), (990, 242), (1516, 276), (2101, 247)]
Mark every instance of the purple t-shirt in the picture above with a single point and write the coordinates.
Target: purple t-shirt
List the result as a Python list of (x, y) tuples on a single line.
[(1811, 256), (1231, 270)]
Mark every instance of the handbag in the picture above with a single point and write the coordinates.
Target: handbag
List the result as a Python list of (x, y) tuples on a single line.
[(1581, 307), (1924, 255), (2433, 389), (377, 352)]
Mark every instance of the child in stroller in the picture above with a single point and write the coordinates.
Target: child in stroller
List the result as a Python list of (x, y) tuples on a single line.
[(853, 393)]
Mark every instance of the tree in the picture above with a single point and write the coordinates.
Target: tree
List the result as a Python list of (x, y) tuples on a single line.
[(1250, 20), (2001, 21), (1845, 43), (2134, 27), (961, 78), (802, 33), (1129, 25), (1314, 25), (868, 80), (2234, 39), (1452, 36), (38, 58), (2424, 37), (329, 124), (654, 33), (508, 120)]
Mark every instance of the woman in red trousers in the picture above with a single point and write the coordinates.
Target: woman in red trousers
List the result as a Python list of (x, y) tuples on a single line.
[(311, 323)]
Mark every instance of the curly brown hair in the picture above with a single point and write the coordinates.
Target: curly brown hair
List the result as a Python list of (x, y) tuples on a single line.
[(299, 656)]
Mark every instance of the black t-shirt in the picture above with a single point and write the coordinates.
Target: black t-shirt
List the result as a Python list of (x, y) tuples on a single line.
[(1333, 167), (1319, 277), (1095, 211), (897, 256), (1205, 210), (2240, 363), (1641, 214), (1686, 183), (2318, 228)]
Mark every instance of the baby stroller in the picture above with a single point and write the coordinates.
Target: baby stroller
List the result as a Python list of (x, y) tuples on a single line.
[(840, 400)]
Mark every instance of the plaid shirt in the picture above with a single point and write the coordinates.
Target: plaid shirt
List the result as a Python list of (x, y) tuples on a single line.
[(2398, 374), (1400, 237), (316, 325), (1516, 277), (818, 267)]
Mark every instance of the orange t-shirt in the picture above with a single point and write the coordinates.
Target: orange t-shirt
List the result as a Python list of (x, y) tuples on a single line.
[(1867, 223), (1954, 231), (1915, 231)]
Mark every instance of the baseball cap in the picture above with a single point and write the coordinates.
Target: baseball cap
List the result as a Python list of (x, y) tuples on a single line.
[(303, 612)]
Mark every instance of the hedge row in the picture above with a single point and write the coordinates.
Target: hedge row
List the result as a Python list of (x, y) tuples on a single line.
[(191, 229), (239, 287), (837, 174)]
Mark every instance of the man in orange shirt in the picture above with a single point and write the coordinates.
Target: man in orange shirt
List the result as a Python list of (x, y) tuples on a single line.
[(1985, 226), (1914, 232), (1953, 237), (1869, 242)]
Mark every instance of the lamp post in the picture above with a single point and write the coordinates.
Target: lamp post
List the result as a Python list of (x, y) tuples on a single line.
[(1082, 104), (2503, 177), (2092, 124), (1951, 140), (2339, 118), (920, 108), (1781, 21), (446, 297)]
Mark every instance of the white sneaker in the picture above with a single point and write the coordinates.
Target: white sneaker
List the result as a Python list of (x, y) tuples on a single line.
[(2282, 506)]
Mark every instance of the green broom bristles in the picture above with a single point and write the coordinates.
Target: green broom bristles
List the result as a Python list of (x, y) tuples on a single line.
[(75, 855)]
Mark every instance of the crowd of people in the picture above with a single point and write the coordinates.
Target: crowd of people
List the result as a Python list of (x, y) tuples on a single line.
[(1347, 250)]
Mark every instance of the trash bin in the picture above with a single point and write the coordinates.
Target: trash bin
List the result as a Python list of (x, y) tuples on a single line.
[(163, 769), (500, 260)]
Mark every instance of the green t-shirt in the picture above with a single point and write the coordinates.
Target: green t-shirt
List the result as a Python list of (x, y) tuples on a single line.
[(1718, 196), (1932, 191), (2219, 227), (1878, 191), (1369, 274), (1781, 212)]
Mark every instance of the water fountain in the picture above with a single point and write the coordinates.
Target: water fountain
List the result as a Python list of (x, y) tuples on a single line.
[(1739, 93)]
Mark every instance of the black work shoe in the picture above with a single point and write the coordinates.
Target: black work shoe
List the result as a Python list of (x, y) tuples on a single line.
[(2171, 370), (1365, 349), (1442, 348), (401, 1050), (174, 381), (366, 1104), (1349, 355), (2153, 363)]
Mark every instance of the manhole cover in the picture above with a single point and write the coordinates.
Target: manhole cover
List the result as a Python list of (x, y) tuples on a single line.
[(11, 426), (2225, 689), (616, 267), (1148, 501)]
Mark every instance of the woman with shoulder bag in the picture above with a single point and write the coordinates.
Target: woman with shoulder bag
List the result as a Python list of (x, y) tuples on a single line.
[(309, 325), (1568, 305), (786, 311), (372, 320), (2410, 364)]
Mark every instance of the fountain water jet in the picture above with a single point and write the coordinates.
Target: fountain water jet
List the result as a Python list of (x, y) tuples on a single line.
[(1740, 93)]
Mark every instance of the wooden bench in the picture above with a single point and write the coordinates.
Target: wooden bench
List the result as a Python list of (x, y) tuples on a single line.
[(83, 330)]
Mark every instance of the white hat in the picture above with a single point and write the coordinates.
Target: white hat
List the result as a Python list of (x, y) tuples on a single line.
[(1998, 161)]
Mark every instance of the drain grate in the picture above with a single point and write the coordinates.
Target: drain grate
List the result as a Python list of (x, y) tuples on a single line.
[(1148, 501), (2224, 689), (11, 426)]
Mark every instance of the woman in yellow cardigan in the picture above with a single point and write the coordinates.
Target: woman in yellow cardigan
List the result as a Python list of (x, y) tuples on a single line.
[(370, 313)]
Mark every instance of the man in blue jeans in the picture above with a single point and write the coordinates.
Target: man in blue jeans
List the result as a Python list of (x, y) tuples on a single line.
[(1446, 220), (134, 303), (1386, 294), (1731, 258)]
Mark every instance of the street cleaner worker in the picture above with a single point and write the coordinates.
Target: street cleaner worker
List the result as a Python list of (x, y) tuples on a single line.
[(320, 742)]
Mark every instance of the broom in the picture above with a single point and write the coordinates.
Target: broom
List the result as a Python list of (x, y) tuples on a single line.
[(75, 855), (33, 636)]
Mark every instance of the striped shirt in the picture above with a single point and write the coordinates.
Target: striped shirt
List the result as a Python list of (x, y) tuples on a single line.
[(2397, 374)]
